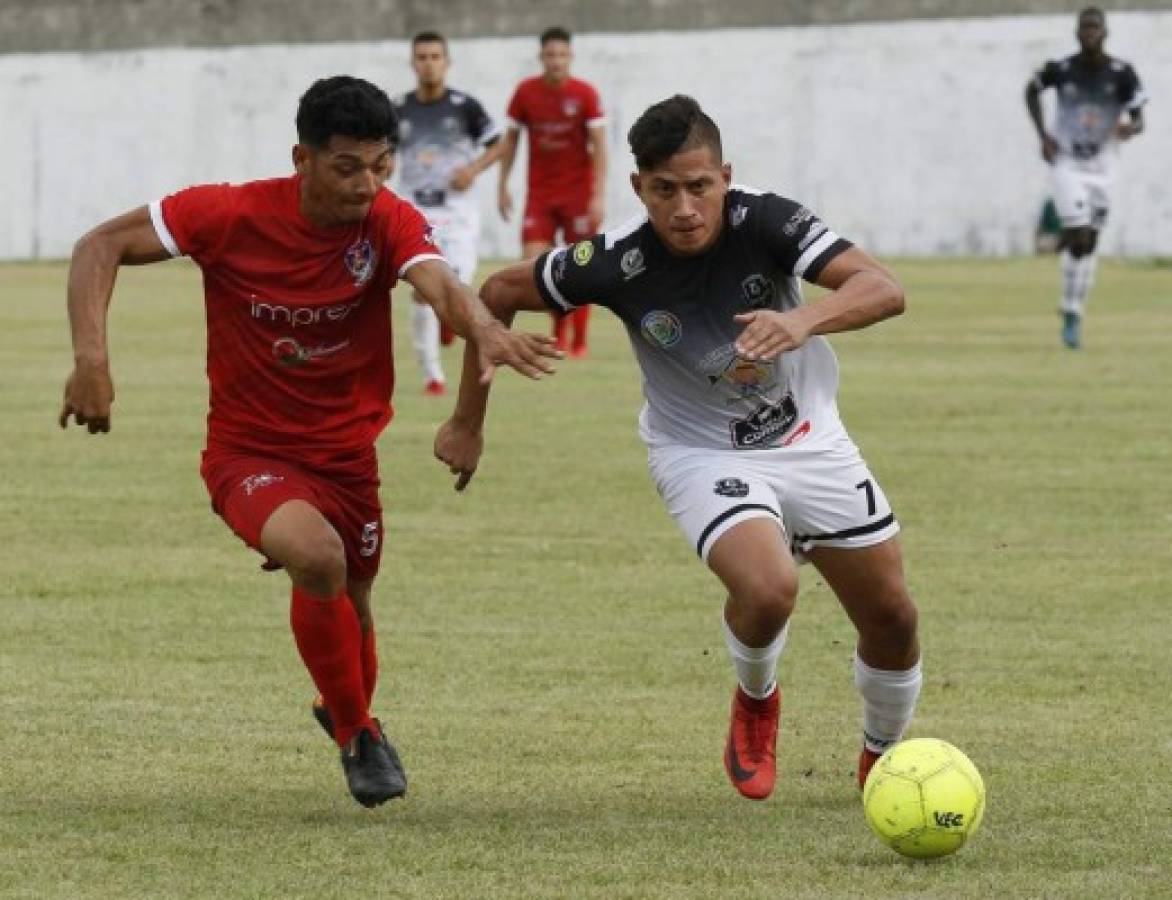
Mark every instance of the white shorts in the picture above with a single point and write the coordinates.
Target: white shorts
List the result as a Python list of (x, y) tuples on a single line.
[(456, 235), (820, 496), (1081, 195)]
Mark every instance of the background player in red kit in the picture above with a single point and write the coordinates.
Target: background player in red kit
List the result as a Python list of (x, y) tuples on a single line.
[(297, 276), (567, 163)]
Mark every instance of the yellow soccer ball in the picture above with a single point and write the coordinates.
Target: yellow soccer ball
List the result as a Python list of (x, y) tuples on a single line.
[(924, 798)]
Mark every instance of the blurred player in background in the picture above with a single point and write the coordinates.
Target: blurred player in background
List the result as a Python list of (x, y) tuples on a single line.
[(446, 139), (297, 276), (566, 192), (1094, 90), (745, 443)]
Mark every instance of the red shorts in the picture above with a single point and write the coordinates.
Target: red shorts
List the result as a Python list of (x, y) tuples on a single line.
[(543, 218), (246, 490)]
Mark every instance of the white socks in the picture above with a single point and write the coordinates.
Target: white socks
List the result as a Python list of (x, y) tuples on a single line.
[(1077, 277), (756, 666), (425, 340), (889, 700)]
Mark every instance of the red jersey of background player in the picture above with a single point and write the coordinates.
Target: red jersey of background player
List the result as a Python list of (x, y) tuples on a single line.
[(557, 117), (298, 317)]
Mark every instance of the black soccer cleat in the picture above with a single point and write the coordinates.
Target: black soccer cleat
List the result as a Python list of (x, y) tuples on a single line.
[(324, 719), (374, 773)]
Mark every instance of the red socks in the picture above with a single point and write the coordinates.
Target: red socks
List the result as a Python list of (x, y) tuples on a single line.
[(577, 320), (369, 665), (331, 645), (580, 317)]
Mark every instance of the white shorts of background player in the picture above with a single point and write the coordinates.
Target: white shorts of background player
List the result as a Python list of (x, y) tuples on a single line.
[(1082, 191)]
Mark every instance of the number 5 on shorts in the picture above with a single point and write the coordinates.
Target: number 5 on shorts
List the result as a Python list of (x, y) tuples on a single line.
[(369, 539)]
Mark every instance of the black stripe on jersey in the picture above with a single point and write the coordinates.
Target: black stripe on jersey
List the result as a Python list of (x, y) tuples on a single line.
[(725, 516), (846, 532), (542, 288), (814, 269)]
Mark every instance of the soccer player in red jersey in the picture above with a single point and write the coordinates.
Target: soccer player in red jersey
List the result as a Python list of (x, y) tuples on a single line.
[(567, 164), (297, 276)]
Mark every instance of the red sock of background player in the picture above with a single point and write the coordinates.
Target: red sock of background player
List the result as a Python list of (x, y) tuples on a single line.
[(561, 331), (329, 640), (369, 665), (580, 316)]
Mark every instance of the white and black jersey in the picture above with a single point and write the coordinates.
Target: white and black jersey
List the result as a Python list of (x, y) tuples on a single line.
[(679, 311), (1090, 102), (437, 138)]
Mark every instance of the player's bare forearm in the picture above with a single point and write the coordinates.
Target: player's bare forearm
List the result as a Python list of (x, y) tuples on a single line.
[(862, 293), (502, 295), (867, 297), (490, 157), (598, 159), (129, 239), (507, 154)]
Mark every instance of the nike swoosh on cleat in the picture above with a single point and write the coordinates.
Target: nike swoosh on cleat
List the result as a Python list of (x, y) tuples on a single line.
[(739, 774)]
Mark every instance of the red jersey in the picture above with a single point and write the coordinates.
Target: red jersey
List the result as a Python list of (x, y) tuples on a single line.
[(557, 117), (299, 332)]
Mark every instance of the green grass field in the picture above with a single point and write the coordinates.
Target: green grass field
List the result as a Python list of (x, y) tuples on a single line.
[(554, 675)]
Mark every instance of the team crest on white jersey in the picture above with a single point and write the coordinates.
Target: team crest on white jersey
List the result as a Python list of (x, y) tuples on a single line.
[(360, 261)]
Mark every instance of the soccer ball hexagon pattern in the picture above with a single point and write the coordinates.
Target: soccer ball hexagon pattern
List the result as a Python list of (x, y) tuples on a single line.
[(924, 798)]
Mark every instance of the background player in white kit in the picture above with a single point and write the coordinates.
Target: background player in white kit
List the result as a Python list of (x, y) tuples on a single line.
[(745, 443), (1094, 90), (446, 139)]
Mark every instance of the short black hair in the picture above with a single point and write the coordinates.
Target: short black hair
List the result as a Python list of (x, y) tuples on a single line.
[(1093, 11), (430, 37), (669, 126), (555, 33), (348, 107)]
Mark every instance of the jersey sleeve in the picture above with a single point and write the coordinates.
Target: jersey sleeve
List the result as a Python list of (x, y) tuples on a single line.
[(592, 107), (515, 112), (569, 277), (1047, 75), (796, 238), (194, 221), (481, 128), (409, 239), (1131, 92)]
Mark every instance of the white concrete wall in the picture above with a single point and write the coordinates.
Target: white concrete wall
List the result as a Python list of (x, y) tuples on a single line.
[(910, 137)]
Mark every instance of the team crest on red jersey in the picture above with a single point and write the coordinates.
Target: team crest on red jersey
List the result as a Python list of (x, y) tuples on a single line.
[(360, 261), (570, 107)]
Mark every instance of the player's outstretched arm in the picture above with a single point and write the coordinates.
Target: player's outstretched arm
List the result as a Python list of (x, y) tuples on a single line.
[(460, 440), (495, 345), (129, 239), (862, 292)]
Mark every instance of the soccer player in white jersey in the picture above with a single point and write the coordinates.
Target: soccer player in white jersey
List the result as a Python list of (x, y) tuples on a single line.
[(446, 139), (745, 443), (1094, 92)]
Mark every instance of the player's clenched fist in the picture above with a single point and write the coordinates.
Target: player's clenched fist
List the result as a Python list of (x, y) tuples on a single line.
[(89, 394)]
